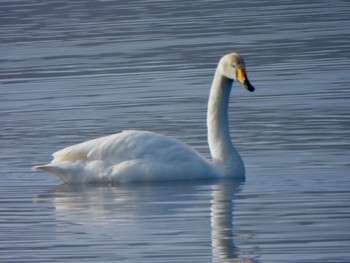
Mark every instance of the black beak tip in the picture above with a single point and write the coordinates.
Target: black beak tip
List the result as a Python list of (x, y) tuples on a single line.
[(249, 86)]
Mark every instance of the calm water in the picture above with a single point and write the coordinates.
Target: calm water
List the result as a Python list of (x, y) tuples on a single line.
[(75, 70)]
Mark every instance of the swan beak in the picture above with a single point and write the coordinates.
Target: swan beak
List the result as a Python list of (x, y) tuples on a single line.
[(241, 76)]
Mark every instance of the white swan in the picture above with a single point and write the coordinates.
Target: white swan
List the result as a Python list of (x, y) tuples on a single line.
[(145, 156)]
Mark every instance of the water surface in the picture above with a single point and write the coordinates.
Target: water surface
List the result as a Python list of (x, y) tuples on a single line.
[(75, 70)]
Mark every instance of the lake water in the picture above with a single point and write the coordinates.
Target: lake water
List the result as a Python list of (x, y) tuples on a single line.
[(75, 70)]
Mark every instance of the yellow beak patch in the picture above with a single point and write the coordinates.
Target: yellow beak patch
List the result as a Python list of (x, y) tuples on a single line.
[(241, 75)]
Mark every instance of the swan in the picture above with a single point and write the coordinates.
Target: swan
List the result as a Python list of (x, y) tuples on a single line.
[(131, 156)]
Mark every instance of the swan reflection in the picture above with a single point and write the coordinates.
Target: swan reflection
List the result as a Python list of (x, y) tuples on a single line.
[(222, 225), (221, 221), (163, 218)]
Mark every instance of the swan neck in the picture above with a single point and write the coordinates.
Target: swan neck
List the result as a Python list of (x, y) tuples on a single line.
[(223, 152)]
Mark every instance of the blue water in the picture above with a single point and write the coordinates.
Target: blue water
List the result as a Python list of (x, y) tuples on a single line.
[(76, 70)]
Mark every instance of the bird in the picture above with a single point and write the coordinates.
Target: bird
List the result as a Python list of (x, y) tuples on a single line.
[(143, 156)]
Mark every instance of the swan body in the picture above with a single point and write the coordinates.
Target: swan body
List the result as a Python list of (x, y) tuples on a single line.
[(132, 156)]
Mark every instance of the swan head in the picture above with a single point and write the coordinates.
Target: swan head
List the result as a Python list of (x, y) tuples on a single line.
[(232, 67)]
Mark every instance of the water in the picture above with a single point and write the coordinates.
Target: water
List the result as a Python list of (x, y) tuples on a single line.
[(75, 70)]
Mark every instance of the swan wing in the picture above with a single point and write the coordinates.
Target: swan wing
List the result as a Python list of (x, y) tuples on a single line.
[(127, 145), (128, 156)]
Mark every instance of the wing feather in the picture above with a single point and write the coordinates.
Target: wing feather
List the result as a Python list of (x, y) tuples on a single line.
[(127, 145)]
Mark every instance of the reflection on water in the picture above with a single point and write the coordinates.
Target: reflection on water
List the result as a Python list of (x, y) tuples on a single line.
[(148, 217), (75, 70), (222, 224)]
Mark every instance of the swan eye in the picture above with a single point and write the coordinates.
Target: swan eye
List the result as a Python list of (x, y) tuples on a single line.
[(233, 66)]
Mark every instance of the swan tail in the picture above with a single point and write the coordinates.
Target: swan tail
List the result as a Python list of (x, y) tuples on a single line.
[(46, 168), (52, 169)]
